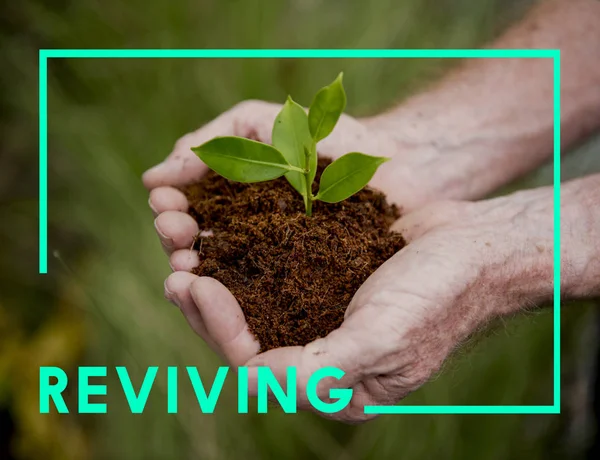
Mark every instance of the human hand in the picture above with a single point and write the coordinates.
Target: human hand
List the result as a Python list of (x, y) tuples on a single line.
[(465, 264), (460, 283)]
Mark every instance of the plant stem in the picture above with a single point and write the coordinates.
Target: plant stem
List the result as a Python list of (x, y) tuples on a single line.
[(308, 198)]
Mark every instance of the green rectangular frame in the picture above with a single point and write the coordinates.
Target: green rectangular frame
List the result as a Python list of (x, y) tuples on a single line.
[(554, 54)]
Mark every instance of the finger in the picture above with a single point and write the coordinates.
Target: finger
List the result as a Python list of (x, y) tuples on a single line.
[(184, 260), (180, 168), (224, 320), (177, 291), (176, 230), (167, 199)]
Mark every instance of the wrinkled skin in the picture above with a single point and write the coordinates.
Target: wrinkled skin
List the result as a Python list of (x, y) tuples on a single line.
[(458, 271)]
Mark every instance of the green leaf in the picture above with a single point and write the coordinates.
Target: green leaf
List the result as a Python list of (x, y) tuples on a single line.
[(326, 108), (347, 175), (291, 137), (243, 160)]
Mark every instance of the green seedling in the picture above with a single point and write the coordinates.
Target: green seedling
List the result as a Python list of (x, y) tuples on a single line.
[(294, 152)]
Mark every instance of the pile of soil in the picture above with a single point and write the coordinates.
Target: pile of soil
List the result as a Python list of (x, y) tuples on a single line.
[(292, 275)]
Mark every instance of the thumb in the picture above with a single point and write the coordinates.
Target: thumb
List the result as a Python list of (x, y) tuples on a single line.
[(415, 224), (344, 349)]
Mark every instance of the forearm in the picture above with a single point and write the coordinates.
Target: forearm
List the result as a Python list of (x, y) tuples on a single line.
[(491, 120), (525, 271), (580, 238), (504, 254)]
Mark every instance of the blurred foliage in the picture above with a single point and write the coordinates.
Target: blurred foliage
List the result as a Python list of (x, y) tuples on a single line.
[(102, 302), (57, 342)]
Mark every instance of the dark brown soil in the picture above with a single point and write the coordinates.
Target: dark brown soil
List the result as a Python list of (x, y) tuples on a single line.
[(293, 275)]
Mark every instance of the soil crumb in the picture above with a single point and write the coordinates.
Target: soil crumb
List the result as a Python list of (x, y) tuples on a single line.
[(293, 275)]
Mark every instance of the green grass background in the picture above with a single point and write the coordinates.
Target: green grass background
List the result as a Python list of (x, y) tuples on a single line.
[(102, 304)]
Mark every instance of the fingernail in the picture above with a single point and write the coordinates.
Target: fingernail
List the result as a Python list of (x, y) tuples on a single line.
[(154, 211), (171, 296), (167, 241)]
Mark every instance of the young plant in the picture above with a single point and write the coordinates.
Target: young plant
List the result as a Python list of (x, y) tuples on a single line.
[(294, 152)]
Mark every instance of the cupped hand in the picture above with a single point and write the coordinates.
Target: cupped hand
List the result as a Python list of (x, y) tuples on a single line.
[(465, 264)]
